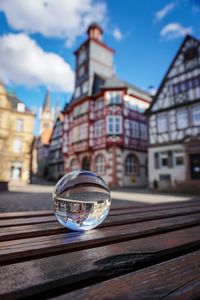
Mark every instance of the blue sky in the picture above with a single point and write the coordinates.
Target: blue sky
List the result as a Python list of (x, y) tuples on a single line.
[(38, 37)]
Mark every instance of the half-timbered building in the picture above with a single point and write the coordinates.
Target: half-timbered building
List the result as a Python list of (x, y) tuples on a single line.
[(174, 121), (105, 130), (55, 156)]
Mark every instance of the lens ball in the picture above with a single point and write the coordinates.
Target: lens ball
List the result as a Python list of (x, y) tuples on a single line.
[(81, 200)]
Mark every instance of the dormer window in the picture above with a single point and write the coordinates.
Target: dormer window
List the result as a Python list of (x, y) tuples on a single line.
[(114, 98), (20, 107)]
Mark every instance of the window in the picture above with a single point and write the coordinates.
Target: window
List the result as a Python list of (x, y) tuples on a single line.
[(162, 123), (81, 109), (98, 128), (77, 92), (134, 129), (20, 107), (182, 118), (17, 145), (16, 170), (163, 159), (74, 165), (114, 124), (100, 164), (178, 158), (130, 165), (98, 104), (85, 87), (196, 114), (83, 131), (82, 56), (114, 98), (19, 124), (143, 131), (190, 53), (81, 71)]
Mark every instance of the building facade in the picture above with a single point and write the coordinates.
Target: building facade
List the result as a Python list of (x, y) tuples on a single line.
[(105, 130), (55, 157), (174, 121), (16, 139), (46, 123)]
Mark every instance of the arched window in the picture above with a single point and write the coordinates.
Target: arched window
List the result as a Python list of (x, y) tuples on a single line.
[(74, 165), (131, 165), (100, 164)]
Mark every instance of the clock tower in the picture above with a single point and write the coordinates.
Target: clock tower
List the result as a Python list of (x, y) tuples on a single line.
[(93, 57)]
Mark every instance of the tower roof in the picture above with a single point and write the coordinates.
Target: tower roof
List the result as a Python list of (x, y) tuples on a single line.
[(93, 26), (47, 102)]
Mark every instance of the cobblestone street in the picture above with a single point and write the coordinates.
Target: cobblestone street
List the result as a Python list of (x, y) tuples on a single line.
[(38, 197)]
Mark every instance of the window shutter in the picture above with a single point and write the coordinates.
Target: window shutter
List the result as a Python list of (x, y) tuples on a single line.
[(156, 160)]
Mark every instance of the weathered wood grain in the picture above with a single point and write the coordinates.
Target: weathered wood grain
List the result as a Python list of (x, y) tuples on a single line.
[(72, 241), (115, 210), (132, 217), (42, 229), (175, 279), (69, 271)]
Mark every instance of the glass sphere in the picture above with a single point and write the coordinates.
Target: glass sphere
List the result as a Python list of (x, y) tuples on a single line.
[(81, 200)]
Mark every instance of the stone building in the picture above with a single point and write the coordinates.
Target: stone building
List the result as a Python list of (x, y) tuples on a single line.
[(105, 130), (16, 139), (174, 121)]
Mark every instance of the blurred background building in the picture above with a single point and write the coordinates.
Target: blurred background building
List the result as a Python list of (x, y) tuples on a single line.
[(174, 121), (105, 129), (55, 157), (16, 139), (46, 123)]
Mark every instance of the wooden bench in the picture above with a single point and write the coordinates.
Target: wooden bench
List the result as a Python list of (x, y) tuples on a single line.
[(148, 252)]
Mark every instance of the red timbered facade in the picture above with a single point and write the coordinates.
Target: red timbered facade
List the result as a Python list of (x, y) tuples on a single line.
[(105, 130)]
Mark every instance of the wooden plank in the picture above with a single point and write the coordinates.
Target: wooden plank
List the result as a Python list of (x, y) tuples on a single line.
[(70, 271), (25, 221), (155, 207), (25, 214), (111, 220), (178, 278), (72, 241), (28, 231), (115, 210)]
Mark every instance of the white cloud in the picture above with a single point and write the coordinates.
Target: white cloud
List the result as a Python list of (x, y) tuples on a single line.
[(54, 18), (23, 62), (117, 34), (175, 30), (159, 15)]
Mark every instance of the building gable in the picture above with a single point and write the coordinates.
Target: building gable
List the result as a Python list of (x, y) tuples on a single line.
[(181, 84)]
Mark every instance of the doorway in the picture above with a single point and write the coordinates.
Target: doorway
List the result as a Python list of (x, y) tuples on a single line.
[(195, 166), (86, 164)]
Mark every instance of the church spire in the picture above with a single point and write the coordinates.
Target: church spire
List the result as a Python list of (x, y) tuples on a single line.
[(47, 102)]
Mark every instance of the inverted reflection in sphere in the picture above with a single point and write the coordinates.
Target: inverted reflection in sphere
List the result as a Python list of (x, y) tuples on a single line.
[(81, 200)]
